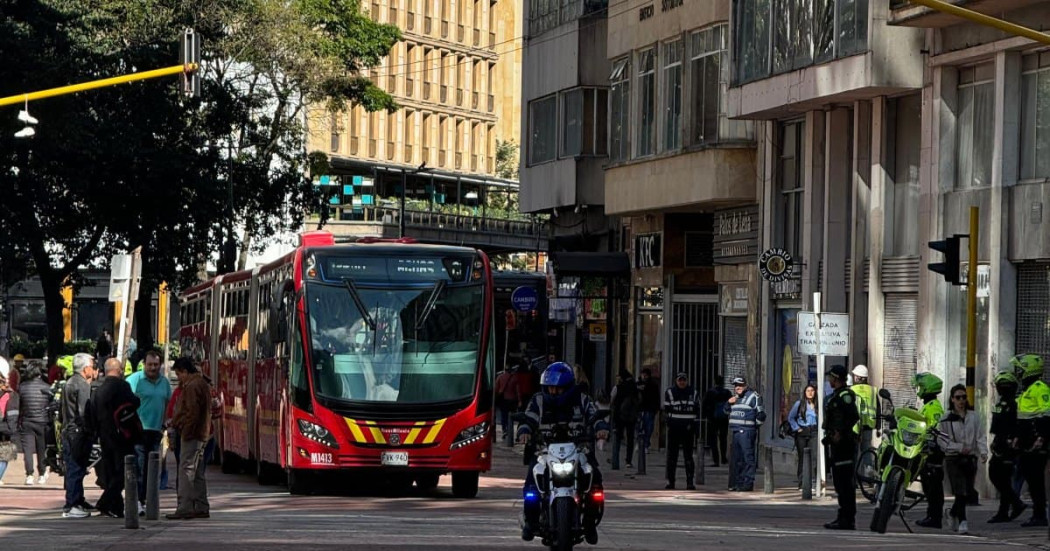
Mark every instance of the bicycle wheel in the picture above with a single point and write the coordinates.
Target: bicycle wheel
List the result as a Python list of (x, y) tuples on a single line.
[(868, 475)]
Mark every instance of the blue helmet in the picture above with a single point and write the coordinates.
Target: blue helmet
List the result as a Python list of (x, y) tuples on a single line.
[(558, 374)]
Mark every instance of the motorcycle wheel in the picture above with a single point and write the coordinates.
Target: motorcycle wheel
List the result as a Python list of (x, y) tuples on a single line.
[(868, 474), (563, 521), (888, 502)]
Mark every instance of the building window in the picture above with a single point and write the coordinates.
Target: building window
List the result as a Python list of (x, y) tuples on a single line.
[(620, 110), (647, 103), (1035, 116), (904, 117), (584, 124), (708, 56), (336, 126), (790, 177), (543, 135), (672, 60), (976, 102), (772, 36)]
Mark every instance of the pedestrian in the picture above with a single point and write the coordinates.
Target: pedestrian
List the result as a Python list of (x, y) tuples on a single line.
[(33, 421), (624, 406), (193, 421), (508, 399), (76, 437), (682, 410), (803, 421), (54, 373), (713, 410), (963, 442), (114, 408), (649, 392), (173, 441), (154, 392), (1033, 410), (840, 417), (1004, 455), (104, 346), (526, 388), (583, 384), (8, 420), (746, 414), (927, 387), (18, 365)]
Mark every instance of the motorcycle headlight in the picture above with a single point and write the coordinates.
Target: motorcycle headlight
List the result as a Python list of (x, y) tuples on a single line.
[(910, 438), (563, 469), (470, 435), (317, 433)]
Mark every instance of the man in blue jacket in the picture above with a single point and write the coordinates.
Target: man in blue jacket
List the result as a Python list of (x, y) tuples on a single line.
[(746, 414)]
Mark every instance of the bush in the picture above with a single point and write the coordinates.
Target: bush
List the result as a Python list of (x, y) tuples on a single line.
[(38, 349)]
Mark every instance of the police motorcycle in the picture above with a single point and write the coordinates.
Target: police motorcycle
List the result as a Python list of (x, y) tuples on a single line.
[(884, 474), (564, 479)]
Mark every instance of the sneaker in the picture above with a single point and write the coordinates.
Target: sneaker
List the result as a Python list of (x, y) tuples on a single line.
[(76, 512), (964, 528), (29, 480), (42, 479), (142, 510), (953, 521)]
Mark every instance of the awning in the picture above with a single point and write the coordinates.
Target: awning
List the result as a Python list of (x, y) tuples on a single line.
[(591, 264)]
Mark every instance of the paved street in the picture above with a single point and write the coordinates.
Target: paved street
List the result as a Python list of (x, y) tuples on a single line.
[(249, 516)]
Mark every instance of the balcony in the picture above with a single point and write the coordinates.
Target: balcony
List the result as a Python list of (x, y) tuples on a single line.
[(474, 101), (443, 224), (459, 97), (410, 85), (390, 151), (460, 33), (906, 14), (428, 25), (444, 93), (492, 103), (353, 145), (372, 148), (477, 37), (492, 40), (444, 29)]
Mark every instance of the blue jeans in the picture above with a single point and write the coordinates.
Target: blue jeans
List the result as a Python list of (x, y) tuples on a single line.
[(150, 443), (3, 469), (74, 480), (646, 429)]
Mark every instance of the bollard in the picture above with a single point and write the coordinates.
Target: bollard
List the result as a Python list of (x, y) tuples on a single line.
[(153, 486), (640, 449), (700, 467), (767, 465), (807, 473), (131, 508)]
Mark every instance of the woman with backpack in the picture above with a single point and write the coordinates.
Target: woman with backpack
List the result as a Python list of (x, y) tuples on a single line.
[(803, 421), (8, 420), (624, 409)]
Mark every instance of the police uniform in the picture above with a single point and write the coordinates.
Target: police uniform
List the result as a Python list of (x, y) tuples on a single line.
[(840, 417), (745, 416), (932, 477), (1001, 464), (1033, 414), (683, 411)]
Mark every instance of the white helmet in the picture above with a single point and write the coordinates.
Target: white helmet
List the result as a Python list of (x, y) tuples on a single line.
[(5, 368), (860, 371)]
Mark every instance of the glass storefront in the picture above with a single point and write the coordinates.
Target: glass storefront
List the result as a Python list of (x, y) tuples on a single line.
[(649, 329), (790, 373)]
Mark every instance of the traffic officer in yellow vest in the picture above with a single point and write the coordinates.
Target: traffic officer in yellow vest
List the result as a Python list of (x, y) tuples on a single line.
[(1033, 433), (839, 419), (867, 401), (927, 387)]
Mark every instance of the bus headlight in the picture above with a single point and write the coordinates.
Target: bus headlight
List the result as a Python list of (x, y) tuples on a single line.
[(470, 435), (317, 433)]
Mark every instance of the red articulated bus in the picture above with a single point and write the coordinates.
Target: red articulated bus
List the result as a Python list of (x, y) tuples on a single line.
[(374, 356)]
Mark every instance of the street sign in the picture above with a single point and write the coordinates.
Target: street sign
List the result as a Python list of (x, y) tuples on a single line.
[(832, 338), (120, 273), (776, 265), (524, 299)]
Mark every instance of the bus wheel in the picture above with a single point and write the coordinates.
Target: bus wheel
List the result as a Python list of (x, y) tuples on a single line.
[(427, 482), (300, 483), (231, 464), (465, 484)]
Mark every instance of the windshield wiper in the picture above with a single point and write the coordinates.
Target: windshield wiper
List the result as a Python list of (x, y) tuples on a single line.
[(367, 317), (431, 302)]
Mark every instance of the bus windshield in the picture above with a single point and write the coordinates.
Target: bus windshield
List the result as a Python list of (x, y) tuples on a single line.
[(412, 344)]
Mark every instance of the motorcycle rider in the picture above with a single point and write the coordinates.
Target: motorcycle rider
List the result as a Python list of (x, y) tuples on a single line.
[(867, 401), (927, 387), (560, 402), (840, 417), (1001, 465), (1033, 416)]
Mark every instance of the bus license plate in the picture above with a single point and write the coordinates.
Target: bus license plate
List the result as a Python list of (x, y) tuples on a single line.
[(394, 459)]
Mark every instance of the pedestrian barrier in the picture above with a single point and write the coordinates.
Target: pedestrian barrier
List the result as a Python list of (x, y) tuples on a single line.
[(767, 464), (131, 481), (807, 473)]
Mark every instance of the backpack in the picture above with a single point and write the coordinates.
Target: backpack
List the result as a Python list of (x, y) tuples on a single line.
[(127, 422)]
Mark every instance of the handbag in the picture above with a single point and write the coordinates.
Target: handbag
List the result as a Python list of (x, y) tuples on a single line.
[(785, 430), (8, 451)]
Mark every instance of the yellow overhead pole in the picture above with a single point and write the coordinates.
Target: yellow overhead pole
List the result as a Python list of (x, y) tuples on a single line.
[(1005, 26), (102, 83)]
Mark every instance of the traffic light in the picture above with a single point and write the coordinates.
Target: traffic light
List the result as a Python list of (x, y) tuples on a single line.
[(950, 267), (191, 55)]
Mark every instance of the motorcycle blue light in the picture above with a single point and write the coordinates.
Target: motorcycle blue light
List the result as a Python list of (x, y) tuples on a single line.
[(531, 496)]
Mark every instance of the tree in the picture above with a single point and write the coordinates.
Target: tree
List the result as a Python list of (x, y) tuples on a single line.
[(507, 153)]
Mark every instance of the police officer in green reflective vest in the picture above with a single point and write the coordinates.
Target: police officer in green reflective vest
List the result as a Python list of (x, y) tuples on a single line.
[(1033, 433), (928, 386), (839, 418), (867, 403)]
